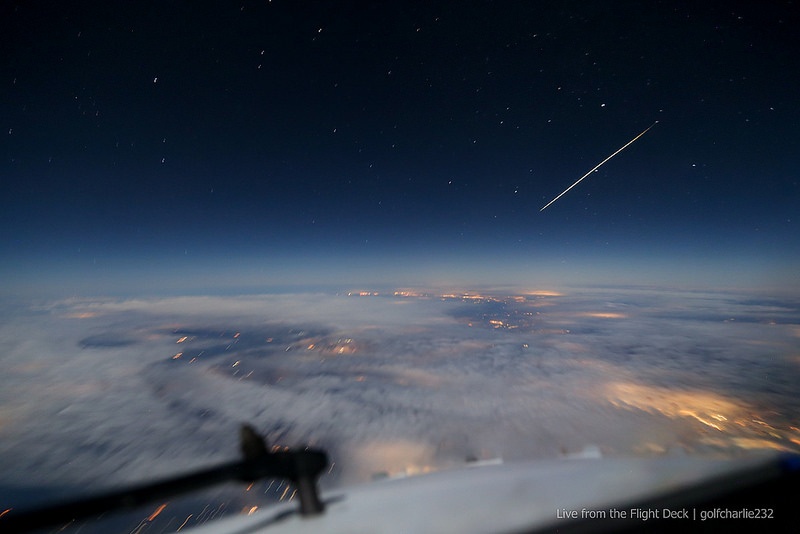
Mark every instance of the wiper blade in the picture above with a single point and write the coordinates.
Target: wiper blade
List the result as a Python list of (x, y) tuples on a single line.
[(300, 466)]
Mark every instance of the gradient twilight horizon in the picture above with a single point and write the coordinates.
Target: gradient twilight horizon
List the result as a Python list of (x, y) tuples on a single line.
[(188, 148), (323, 219)]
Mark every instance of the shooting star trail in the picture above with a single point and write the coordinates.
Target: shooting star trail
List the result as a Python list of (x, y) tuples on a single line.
[(623, 147)]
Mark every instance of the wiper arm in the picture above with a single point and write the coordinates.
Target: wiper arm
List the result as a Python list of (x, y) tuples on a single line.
[(300, 466)]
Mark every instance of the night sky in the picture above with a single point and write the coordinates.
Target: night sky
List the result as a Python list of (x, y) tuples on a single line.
[(194, 146), (184, 182)]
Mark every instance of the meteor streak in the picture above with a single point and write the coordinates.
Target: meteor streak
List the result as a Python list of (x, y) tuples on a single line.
[(623, 147)]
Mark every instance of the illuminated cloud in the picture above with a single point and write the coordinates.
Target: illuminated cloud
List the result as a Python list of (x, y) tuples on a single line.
[(97, 392)]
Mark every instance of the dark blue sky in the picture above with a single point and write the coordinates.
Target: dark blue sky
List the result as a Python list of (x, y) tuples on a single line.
[(149, 146)]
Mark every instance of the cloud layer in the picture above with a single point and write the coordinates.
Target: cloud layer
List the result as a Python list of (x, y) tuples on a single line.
[(103, 392)]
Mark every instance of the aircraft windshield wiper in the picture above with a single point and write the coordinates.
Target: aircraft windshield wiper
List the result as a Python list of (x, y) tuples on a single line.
[(300, 466)]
